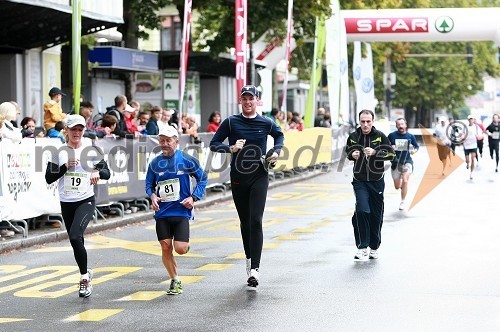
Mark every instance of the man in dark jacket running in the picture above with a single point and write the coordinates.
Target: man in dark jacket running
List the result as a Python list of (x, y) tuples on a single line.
[(368, 148)]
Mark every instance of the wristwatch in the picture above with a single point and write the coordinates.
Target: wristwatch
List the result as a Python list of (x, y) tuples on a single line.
[(195, 199)]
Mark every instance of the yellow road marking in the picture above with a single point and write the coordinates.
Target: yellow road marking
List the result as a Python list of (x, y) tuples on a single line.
[(272, 221), (186, 280), (289, 210), (287, 237), (11, 268), (304, 230), (142, 296), (309, 196), (322, 186), (38, 290), (12, 320), (233, 224), (57, 271), (214, 267), (237, 255), (93, 315), (271, 245), (319, 223), (214, 239), (216, 221), (217, 211)]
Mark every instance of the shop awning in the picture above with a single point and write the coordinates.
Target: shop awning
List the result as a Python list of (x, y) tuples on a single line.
[(28, 24), (112, 57)]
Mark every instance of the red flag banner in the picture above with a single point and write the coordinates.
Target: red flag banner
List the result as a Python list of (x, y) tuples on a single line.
[(287, 53), (240, 23), (186, 33)]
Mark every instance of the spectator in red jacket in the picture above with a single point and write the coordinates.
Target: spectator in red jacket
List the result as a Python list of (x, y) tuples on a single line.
[(213, 122)]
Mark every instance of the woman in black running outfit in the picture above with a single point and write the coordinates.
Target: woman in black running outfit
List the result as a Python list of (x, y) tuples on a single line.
[(77, 174), (247, 135)]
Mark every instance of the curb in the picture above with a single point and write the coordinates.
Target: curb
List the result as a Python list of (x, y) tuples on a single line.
[(214, 198)]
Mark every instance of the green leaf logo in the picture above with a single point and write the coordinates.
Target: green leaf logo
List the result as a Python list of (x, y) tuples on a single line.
[(444, 24)]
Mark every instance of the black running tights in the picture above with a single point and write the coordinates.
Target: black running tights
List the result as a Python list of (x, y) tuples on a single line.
[(249, 195), (494, 148), (77, 216)]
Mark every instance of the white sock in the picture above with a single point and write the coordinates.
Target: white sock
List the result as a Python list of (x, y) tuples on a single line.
[(84, 276), (176, 278)]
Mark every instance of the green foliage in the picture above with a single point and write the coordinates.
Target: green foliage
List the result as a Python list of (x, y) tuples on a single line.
[(141, 13)]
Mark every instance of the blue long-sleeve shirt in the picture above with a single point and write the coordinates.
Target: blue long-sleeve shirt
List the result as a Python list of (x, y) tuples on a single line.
[(169, 178), (255, 131)]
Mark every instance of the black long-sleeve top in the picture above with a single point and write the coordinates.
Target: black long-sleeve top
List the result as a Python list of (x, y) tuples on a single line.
[(255, 131)]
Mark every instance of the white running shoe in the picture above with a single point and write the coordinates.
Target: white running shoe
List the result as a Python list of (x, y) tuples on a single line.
[(402, 206), (86, 285), (361, 255), (249, 266), (373, 254)]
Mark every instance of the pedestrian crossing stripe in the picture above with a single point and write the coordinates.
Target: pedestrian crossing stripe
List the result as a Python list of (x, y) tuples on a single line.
[(143, 296), (214, 267), (13, 320), (93, 315)]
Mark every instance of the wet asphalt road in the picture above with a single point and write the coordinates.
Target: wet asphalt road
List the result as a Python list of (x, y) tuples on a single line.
[(438, 267)]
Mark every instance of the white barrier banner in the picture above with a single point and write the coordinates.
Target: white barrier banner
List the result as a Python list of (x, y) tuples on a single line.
[(25, 192)]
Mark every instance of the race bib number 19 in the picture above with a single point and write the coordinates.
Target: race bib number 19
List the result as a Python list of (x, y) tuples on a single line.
[(76, 183), (169, 190)]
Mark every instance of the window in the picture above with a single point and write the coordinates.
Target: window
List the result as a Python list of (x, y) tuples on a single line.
[(171, 34)]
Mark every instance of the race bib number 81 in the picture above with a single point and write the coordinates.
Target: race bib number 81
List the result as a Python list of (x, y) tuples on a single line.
[(169, 190)]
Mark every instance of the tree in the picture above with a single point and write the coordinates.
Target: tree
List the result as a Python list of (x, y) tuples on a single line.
[(137, 15)]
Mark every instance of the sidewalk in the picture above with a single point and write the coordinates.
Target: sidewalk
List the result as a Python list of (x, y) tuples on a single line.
[(47, 234)]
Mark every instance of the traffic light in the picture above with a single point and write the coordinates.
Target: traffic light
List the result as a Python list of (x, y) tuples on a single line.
[(390, 94)]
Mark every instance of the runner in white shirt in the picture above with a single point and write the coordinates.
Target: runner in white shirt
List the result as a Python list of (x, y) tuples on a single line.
[(77, 170), (470, 144)]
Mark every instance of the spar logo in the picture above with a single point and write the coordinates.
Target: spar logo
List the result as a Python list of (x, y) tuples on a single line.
[(444, 24), (387, 25)]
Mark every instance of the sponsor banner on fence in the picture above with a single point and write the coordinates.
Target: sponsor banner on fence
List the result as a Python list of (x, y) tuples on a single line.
[(25, 192), (306, 148)]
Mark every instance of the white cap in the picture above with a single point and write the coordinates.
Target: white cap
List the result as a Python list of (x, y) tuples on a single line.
[(129, 108), (169, 131), (442, 118), (471, 116), (74, 120)]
